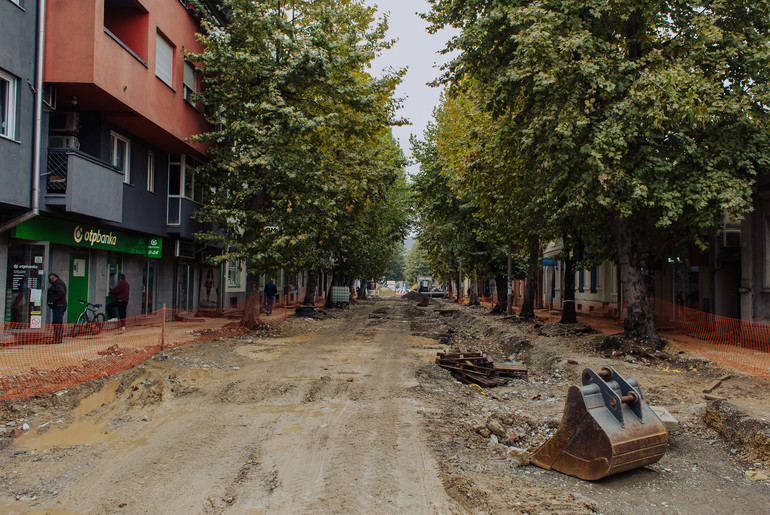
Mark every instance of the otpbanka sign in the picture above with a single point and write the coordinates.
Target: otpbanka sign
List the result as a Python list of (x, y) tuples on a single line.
[(94, 237), (68, 233)]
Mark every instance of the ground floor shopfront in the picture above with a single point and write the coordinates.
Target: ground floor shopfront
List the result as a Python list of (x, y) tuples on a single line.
[(89, 259)]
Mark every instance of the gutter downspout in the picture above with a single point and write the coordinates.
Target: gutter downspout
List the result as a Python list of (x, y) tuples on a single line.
[(37, 143)]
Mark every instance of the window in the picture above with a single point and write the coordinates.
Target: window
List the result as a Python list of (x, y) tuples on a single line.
[(164, 59), (151, 171), (7, 105), (594, 280), (582, 280), (233, 274), (174, 215), (120, 155), (190, 82)]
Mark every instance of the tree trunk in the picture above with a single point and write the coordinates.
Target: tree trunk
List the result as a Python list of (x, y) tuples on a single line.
[(459, 286), (530, 290), (362, 290), (250, 318), (639, 322), (501, 305), (569, 313), (329, 285), (310, 286)]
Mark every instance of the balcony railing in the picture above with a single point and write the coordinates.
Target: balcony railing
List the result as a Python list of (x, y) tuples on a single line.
[(83, 184)]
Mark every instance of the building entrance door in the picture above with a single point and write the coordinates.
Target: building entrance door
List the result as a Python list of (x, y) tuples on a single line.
[(148, 288), (77, 287)]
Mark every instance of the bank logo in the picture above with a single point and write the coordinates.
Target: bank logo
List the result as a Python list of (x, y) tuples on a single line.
[(93, 237), (154, 243)]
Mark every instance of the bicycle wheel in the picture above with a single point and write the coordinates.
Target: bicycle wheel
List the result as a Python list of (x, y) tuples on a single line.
[(81, 325), (98, 324)]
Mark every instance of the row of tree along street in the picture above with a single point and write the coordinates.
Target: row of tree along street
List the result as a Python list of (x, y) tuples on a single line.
[(304, 172), (628, 129)]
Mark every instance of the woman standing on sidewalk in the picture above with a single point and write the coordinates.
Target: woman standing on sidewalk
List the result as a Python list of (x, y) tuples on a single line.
[(120, 292)]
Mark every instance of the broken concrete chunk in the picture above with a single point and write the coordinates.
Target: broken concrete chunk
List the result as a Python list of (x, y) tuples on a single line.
[(669, 422), (496, 428), (519, 456)]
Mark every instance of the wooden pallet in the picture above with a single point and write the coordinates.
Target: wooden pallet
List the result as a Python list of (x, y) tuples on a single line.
[(476, 367)]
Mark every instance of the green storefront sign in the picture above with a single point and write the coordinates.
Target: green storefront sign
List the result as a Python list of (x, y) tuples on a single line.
[(84, 235)]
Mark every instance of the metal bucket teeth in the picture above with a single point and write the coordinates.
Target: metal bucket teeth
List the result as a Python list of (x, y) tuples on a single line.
[(606, 428)]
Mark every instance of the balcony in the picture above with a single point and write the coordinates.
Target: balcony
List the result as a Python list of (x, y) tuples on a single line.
[(84, 185)]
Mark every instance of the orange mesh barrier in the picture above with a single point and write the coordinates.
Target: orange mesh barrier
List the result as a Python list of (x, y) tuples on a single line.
[(31, 363), (741, 344)]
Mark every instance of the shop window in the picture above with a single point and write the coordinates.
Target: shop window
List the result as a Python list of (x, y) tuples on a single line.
[(164, 59), (120, 155), (128, 24), (7, 105)]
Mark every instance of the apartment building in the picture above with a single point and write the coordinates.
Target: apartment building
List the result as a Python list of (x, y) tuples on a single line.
[(117, 170)]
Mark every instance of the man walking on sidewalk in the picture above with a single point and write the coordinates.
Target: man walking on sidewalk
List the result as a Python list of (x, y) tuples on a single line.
[(120, 293), (271, 291), (57, 301)]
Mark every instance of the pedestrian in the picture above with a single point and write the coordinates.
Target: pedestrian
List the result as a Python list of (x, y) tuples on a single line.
[(57, 301), (271, 292), (119, 293)]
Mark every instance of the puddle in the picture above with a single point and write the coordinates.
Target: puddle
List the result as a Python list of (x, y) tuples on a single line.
[(19, 507), (201, 373), (80, 432), (420, 340)]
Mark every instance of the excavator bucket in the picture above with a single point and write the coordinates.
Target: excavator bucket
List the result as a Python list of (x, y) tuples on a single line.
[(606, 428)]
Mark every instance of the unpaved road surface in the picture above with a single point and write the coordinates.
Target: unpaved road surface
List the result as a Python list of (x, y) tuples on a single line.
[(349, 415)]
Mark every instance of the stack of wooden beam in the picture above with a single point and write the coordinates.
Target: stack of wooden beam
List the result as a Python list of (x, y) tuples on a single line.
[(476, 367)]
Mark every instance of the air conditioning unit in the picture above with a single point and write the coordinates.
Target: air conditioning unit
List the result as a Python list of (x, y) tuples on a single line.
[(63, 142), (65, 121)]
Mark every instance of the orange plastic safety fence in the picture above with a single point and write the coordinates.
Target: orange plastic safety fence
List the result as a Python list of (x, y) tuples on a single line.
[(740, 344), (37, 361)]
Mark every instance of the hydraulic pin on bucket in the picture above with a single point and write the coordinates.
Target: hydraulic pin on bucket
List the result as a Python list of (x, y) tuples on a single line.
[(606, 428)]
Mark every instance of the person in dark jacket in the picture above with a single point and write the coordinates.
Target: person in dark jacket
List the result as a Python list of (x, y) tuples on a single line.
[(120, 295), (271, 292), (57, 301)]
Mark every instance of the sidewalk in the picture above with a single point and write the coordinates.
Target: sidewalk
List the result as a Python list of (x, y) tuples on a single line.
[(744, 359)]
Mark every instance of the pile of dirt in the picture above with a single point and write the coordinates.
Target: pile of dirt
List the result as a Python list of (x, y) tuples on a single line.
[(413, 296)]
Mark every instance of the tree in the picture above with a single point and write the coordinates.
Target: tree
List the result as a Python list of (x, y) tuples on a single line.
[(395, 270), (415, 265), (647, 118), (287, 86)]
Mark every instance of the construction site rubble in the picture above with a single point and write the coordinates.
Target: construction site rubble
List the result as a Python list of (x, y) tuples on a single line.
[(472, 367)]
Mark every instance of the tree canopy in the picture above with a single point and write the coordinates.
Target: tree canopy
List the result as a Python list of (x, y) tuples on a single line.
[(648, 119), (301, 158)]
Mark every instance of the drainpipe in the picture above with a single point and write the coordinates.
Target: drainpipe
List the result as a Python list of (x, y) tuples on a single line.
[(37, 139)]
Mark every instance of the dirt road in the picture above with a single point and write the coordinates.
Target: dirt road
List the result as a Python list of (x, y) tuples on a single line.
[(345, 415)]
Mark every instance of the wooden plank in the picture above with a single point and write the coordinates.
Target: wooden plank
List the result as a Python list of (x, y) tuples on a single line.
[(485, 372), (716, 384), (510, 367)]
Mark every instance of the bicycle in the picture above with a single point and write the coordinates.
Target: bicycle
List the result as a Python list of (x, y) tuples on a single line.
[(89, 321)]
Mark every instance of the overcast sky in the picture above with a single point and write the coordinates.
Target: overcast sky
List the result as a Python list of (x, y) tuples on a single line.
[(418, 51)]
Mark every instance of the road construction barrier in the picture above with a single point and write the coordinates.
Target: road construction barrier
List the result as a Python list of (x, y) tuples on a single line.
[(34, 361), (741, 344)]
